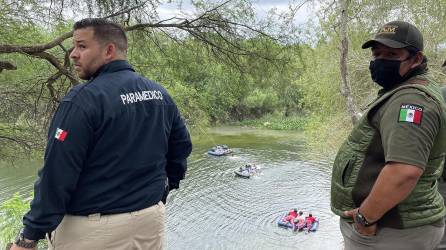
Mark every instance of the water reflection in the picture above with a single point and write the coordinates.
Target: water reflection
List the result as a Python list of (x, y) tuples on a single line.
[(17, 177), (216, 210)]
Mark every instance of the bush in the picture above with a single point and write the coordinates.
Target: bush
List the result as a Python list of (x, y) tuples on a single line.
[(276, 122), (261, 102), (11, 214)]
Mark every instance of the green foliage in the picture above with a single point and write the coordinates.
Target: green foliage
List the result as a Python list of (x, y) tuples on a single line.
[(327, 133), (211, 87), (11, 213), (210, 91), (261, 101), (276, 122), (328, 122), (320, 81)]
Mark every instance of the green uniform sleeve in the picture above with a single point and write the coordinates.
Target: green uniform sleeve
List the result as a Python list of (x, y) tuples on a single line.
[(408, 124)]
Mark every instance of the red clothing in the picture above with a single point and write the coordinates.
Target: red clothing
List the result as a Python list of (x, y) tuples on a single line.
[(299, 220), (292, 213), (311, 219), (289, 218)]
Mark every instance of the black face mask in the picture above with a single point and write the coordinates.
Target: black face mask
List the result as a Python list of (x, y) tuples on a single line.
[(386, 72)]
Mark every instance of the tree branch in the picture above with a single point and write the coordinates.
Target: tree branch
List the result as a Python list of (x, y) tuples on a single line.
[(7, 65), (49, 85), (128, 10), (6, 48), (23, 143), (210, 21), (55, 62), (346, 89), (210, 11)]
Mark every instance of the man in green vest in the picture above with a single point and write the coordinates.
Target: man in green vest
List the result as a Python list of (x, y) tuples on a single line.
[(384, 181)]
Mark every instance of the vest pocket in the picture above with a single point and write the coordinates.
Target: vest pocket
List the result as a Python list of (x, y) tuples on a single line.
[(342, 184), (341, 199), (343, 167), (347, 171)]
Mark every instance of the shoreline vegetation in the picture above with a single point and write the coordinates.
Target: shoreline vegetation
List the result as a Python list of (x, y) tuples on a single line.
[(220, 64), (265, 79), (323, 135), (274, 122)]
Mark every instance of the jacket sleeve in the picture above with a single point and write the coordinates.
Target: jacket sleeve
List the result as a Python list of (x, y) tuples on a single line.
[(66, 151), (179, 148)]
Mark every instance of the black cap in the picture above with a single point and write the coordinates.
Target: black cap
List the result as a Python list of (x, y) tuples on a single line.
[(397, 34)]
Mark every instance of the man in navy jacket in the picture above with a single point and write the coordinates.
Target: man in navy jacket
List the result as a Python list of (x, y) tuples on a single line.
[(114, 144)]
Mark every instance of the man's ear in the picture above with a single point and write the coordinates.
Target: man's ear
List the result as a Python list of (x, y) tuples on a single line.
[(417, 59), (110, 51)]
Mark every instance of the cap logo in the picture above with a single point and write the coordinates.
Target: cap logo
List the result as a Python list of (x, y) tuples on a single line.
[(388, 29)]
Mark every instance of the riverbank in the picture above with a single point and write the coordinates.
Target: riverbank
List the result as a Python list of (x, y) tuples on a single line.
[(323, 133), (275, 122)]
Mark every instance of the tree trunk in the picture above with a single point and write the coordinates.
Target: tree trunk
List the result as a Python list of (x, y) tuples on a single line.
[(346, 89)]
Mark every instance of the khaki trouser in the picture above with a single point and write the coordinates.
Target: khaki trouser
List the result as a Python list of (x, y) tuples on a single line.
[(143, 229), (419, 238)]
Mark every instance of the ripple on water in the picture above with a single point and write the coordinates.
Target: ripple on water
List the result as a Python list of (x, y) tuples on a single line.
[(16, 184), (213, 209), (216, 210)]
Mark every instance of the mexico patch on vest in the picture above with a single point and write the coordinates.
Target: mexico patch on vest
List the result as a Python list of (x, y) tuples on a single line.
[(411, 113)]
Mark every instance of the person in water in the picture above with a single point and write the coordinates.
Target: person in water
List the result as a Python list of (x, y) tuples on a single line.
[(309, 221), (292, 214), (299, 221)]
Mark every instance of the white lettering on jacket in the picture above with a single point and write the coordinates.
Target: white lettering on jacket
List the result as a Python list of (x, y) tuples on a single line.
[(140, 96)]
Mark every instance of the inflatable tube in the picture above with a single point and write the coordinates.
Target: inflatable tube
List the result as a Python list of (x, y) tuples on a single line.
[(299, 226), (285, 224), (243, 174), (315, 226), (219, 152)]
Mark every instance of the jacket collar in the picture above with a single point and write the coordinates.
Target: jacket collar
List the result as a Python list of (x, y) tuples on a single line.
[(111, 67)]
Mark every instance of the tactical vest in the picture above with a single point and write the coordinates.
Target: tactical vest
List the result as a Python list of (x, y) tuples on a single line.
[(424, 205)]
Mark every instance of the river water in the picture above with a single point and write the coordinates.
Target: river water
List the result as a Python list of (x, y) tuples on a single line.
[(213, 209)]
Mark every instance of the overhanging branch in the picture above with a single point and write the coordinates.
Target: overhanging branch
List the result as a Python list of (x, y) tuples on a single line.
[(18, 141), (203, 27), (7, 65), (55, 62), (28, 49)]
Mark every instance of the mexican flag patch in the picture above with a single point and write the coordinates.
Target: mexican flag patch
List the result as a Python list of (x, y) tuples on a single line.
[(411, 113), (60, 134)]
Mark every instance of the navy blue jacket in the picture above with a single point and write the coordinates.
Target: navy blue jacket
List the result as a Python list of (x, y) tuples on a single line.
[(111, 144)]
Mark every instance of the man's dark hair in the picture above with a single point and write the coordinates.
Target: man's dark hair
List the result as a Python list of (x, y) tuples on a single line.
[(105, 31)]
